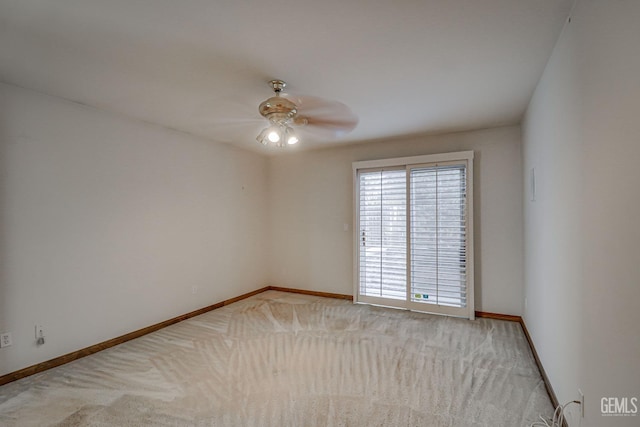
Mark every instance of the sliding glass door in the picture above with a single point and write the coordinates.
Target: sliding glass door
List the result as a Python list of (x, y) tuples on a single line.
[(414, 229)]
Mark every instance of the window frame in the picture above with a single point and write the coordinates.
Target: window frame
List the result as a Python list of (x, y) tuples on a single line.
[(408, 163)]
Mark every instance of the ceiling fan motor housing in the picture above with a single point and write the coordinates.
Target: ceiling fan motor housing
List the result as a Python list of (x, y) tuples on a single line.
[(278, 110)]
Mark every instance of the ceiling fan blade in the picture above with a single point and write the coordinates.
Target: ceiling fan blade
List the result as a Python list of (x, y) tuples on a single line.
[(233, 121), (312, 105), (230, 129), (225, 126), (324, 117), (329, 127), (222, 111)]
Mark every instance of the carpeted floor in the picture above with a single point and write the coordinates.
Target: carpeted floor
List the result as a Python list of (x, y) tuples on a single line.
[(280, 359)]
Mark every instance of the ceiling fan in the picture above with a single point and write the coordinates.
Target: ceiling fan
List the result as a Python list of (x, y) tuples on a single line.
[(311, 114)]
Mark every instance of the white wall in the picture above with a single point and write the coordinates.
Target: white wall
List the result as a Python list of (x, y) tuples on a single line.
[(106, 224), (311, 200), (582, 263), (553, 236)]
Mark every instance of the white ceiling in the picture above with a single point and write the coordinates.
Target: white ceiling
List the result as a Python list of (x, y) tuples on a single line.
[(201, 66)]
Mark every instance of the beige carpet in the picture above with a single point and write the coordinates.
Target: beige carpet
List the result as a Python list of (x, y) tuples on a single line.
[(279, 359)]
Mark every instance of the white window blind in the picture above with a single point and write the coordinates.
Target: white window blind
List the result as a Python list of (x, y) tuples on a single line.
[(438, 235), (383, 230), (414, 233)]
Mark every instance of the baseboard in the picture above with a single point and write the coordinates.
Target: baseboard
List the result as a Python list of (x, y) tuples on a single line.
[(498, 316), (61, 360), (545, 378), (314, 293)]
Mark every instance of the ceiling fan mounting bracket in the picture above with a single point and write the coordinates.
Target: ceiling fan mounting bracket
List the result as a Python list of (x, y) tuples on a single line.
[(277, 85)]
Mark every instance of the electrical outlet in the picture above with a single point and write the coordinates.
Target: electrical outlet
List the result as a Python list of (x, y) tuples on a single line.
[(581, 394), (5, 340), (194, 289)]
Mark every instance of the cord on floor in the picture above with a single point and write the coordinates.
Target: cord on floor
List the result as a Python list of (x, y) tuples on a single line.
[(558, 417)]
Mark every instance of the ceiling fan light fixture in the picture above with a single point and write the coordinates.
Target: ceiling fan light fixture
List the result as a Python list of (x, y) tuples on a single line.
[(274, 136), (290, 136), (280, 112), (263, 136), (278, 136)]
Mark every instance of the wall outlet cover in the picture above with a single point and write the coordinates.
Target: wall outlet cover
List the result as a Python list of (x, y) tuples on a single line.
[(5, 340)]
